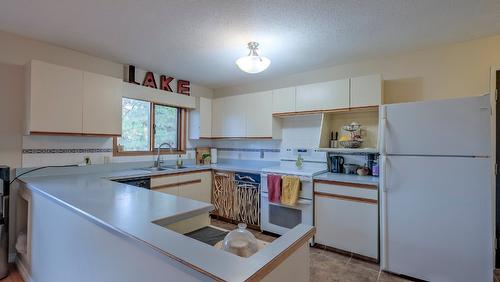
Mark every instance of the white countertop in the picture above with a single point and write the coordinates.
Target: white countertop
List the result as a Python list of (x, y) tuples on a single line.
[(130, 211)]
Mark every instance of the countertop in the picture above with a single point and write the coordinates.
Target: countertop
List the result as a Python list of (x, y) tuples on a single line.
[(131, 211), (350, 178)]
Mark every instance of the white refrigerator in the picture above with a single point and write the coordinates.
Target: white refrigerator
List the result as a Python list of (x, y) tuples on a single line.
[(437, 196)]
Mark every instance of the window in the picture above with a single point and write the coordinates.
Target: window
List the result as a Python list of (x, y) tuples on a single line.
[(146, 125)]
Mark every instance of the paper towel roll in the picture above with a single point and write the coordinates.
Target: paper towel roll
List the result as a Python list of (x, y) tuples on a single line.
[(213, 155)]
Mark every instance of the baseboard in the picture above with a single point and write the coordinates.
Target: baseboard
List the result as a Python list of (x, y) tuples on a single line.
[(22, 270)]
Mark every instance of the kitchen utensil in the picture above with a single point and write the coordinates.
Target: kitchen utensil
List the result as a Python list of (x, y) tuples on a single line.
[(337, 163), (350, 168)]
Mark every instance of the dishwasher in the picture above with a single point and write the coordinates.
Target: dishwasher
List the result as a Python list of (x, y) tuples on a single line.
[(142, 182)]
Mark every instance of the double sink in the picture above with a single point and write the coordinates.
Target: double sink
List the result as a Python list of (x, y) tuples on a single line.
[(163, 168)]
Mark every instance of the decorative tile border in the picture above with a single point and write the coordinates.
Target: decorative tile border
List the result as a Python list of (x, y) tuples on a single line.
[(248, 150), (65, 151), (80, 151)]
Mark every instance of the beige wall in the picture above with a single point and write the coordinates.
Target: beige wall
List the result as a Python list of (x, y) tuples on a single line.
[(15, 52), (450, 71)]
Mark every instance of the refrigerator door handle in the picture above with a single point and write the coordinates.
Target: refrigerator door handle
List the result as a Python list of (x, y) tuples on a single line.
[(383, 128), (384, 174)]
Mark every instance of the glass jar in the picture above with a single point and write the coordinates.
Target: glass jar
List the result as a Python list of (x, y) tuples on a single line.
[(241, 242)]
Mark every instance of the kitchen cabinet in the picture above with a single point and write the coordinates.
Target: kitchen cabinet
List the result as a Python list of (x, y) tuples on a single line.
[(196, 186), (62, 100), (54, 96), (284, 100), (200, 119), (102, 104), (165, 184), (229, 117), (328, 95), (192, 185), (259, 114), (366, 91), (346, 217)]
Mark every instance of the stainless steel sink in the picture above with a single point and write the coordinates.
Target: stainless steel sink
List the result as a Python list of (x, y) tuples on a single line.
[(163, 168)]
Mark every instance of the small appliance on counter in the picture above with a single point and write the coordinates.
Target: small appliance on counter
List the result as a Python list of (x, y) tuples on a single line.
[(337, 164)]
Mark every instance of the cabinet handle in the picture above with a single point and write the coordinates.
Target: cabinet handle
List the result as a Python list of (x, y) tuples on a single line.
[(177, 184), (346, 198)]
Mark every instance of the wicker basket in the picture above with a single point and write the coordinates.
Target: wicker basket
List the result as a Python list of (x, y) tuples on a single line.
[(351, 143)]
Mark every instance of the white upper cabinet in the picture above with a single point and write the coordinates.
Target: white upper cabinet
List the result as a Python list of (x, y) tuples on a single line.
[(229, 117), (102, 101), (53, 98), (259, 114), (323, 96), (62, 100), (366, 91), (200, 119), (284, 100)]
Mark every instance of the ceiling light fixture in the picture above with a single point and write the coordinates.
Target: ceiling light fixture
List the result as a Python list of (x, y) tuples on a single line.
[(253, 63)]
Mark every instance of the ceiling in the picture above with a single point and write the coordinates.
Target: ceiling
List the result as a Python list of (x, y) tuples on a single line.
[(199, 40)]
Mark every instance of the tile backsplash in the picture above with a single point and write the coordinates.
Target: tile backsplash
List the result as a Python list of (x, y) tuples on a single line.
[(298, 133)]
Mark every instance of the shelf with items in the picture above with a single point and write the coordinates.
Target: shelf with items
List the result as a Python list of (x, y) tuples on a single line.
[(335, 121)]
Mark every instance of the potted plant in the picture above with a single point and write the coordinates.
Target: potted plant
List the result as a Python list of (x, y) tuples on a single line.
[(206, 158)]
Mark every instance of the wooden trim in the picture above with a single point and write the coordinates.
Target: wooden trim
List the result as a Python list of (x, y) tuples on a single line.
[(347, 198), (309, 112), (276, 261), (342, 110), (183, 183), (348, 184), (167, 173), (181, 136), (72, 134), (365, 108), (238, 138)]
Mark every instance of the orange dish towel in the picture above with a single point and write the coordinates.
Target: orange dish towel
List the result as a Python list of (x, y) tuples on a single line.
[(290, 189)]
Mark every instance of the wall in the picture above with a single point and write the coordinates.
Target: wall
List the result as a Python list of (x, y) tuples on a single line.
[(17, 150), (457, 70)]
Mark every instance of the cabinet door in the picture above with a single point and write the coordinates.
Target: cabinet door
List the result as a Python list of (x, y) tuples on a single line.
[(284, 100), (259, 116), (366, 91), (347, 224), (323, 96), (205, 117), (196, 186), (102, 104), (218, 116), (54, 98), (228, 117)]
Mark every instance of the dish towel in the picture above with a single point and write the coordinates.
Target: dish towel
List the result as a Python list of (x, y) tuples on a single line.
[(290, 190), (274, 188)]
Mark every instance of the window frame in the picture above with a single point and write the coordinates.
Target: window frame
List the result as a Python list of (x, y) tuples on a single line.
[(181, 134)]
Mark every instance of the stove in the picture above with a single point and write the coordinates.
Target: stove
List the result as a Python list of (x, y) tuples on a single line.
[(279, 218)]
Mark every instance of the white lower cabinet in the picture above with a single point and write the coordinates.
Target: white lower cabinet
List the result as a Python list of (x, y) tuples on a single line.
[(193, 185), (346, 217)]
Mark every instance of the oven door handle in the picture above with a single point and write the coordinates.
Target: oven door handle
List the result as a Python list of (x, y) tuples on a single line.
[(300, 202)]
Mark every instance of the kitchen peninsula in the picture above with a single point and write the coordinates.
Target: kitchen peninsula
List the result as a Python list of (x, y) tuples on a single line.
[(100, 230)]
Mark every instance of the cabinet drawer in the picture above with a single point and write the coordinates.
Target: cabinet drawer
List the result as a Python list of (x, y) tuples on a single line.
[(169, 190), (347, 189), (163, 181)]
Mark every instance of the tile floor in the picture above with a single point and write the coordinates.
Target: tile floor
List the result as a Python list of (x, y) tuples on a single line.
[(330, 266)]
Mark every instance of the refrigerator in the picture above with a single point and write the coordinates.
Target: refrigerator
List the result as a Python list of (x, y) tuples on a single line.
[(437, 197)]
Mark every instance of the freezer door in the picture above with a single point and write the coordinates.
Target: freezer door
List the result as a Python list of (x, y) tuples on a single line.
[(438, 218), (457, 127)]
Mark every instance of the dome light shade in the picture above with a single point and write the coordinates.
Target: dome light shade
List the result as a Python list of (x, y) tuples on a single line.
[(253, 63)]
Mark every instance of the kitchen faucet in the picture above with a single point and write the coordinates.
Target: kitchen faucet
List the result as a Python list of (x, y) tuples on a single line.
[(157, 163)]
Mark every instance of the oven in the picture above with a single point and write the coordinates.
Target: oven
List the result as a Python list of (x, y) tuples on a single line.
[(279, 218)]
